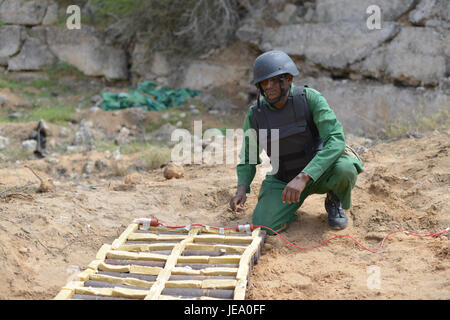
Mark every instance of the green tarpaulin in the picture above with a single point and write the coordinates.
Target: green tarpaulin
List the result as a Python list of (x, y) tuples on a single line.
[(147, 96)]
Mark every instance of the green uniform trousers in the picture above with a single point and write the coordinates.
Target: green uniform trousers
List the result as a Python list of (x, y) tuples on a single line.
[(270, 210)]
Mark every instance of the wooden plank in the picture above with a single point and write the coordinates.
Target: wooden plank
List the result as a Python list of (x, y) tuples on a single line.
[(199, 266), (129, 293), (165, 229), (84, 275), (134, 269), (73, 284), (113, 268), (240, 290), (207, 271), (223, 239), (101, 254), (94, 264), (193, 259), (186, 271), (115, 254), (95, 291), (210, 247), (123, 237), (244, 265), (171, 262), (124, 262), (218, 284), (154, 237), (91, 297), (125, 281), (197, 284), (225, 259), (112, 292), (64, 294), (153, 271), (145, 247), (212, 260), (203, 284), (219, 271)]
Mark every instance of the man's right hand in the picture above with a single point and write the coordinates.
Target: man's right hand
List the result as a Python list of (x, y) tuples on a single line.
[(239, 198)]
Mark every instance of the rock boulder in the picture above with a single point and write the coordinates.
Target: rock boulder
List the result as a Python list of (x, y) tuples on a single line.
[(22, 12), (86, 50)]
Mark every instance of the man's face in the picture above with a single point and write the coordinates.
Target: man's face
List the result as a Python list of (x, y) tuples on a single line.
[(272, 88)]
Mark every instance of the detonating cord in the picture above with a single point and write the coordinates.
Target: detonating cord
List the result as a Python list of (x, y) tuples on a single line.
[(251, 227)]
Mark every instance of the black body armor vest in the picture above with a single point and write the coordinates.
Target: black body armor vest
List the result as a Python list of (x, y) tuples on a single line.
[(299, 139)]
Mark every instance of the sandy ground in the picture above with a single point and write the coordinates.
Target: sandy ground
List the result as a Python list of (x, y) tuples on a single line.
[(46, 237)]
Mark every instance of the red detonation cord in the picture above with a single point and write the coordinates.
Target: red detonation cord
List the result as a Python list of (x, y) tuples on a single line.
[(252, 227)]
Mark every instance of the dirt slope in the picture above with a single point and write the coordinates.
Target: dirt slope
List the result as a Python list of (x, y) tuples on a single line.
[(45, 237)]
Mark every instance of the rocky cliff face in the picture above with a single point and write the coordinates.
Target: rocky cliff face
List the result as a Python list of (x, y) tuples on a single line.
[(30, 41), (370, 77)]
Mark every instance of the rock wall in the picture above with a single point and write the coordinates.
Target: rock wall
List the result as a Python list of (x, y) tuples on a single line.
[(370, 77), (31, 39)]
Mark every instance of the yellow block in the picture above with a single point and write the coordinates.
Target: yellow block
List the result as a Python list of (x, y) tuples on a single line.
[(115, 254), (113, 268), (145, 247), (84, 276), (123, 237), (126, 281), (153, 271), (101, 254), (129, 293), (154, 237), (64, 294), (218, 284)]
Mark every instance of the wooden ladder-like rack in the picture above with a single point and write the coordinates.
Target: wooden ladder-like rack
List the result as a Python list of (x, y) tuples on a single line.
[(162, 263)]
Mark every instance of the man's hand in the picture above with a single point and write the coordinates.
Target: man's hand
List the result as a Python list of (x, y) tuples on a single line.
[(239, 198), (294, 188)]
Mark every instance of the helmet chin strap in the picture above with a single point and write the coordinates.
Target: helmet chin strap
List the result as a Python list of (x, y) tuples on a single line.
[(282, 94)]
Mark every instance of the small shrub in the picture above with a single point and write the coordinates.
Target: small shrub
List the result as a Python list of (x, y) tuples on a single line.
[(186, 26), (154, 158)]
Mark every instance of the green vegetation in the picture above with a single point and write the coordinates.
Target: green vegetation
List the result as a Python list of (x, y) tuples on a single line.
[(150, 156), (439, 120), (135, 147), (105, 145), (60, 115), (55, 114), (154, 157), (50, 81), (44, 94), (183, 26), (12, 153)]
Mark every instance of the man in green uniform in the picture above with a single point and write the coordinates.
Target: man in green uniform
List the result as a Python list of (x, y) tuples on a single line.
[(311, 157)]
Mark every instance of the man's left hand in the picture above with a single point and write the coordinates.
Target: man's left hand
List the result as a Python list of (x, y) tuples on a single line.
[(294, 188)]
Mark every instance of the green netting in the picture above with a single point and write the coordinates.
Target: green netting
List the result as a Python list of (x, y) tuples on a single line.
[(147, 96)]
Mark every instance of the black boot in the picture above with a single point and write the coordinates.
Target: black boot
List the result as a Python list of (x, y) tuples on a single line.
[(336, 216)]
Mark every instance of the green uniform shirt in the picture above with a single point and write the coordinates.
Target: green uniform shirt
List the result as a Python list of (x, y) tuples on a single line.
[(330, 130)]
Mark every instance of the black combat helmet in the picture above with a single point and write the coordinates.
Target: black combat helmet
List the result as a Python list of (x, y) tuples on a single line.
[(273, 63), (270, 64)]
